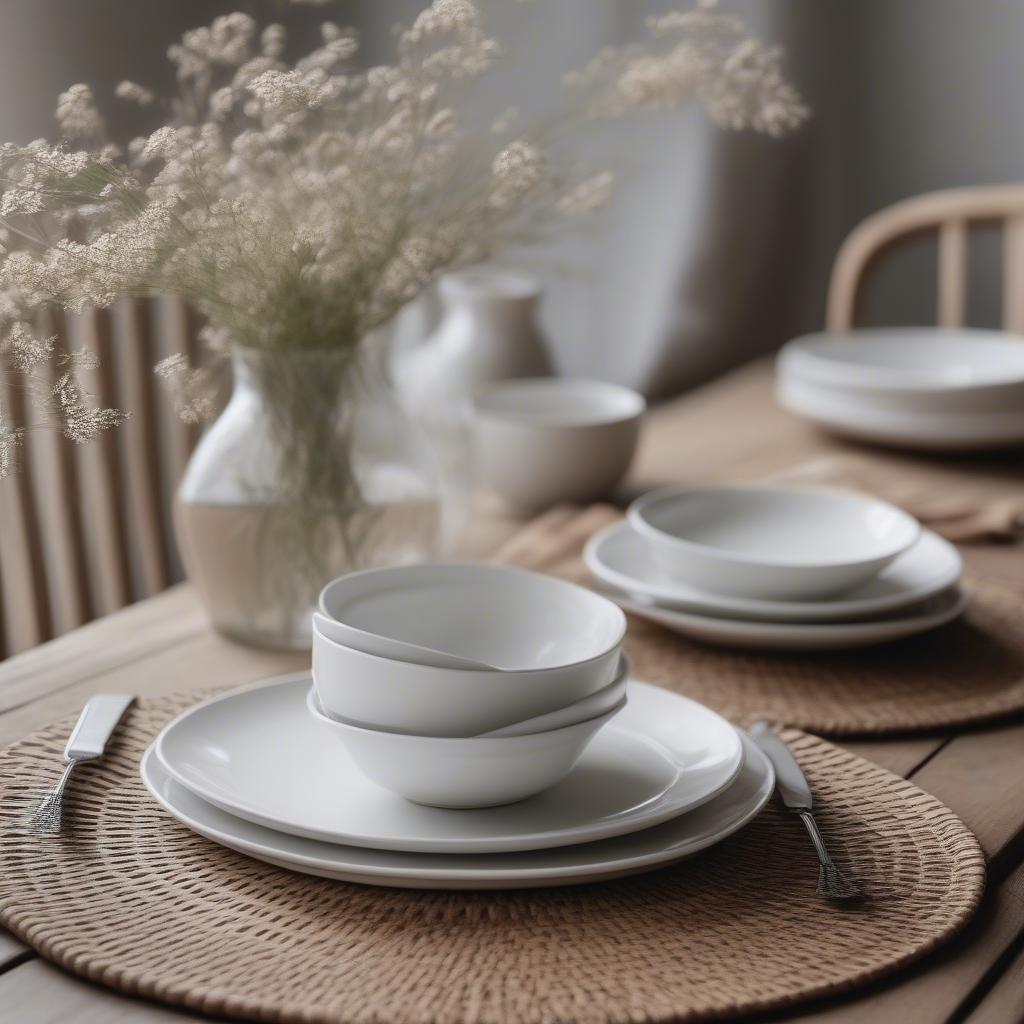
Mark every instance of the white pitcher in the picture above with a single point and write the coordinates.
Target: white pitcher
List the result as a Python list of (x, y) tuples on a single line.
[(488, 332)]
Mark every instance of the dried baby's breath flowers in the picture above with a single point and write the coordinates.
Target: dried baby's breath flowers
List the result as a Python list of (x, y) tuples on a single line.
[(299, 206), (193, 388), (10, 441), (80, 423)]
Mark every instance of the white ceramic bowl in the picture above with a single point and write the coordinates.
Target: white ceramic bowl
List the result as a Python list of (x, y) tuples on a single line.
[(556, 643), (771, 542), (486, 616), (913, 368), (463, 773), (543, 441)]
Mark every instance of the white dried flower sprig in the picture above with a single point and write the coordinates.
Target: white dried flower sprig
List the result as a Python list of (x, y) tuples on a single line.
[(11, 439), (299, 206), (694, 54), (50, 399), (193, 388), (80, 422)]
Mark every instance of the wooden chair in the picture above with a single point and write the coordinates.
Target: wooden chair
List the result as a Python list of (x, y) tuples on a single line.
[(949, 213), (86, 528)]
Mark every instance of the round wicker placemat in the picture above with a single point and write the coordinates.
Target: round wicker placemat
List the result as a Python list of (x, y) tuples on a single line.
[(968, 672), (132, 899)]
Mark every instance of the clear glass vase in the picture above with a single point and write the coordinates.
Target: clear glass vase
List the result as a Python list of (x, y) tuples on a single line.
[(312, 470)]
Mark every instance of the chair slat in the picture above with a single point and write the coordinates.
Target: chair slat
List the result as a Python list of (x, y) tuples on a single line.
[(1013, 275), (142, 448), (69, 562), (29, 616), (952, 280), (112, 536)]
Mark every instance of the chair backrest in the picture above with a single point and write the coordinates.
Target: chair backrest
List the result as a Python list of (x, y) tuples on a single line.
[(86, 528), (950, 213)]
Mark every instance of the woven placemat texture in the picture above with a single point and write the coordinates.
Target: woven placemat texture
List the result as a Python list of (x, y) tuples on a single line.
[(134, 900), (968, 672)]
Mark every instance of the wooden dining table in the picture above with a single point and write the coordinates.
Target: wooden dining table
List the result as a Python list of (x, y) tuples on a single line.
[(729, 430)]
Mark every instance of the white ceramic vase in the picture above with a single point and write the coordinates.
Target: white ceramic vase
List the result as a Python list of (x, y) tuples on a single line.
[(312, 470)]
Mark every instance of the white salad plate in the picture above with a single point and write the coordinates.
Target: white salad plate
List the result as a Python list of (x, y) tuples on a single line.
[(865, 419), (620, 557), (803, 636), (259, 754), (629, 854)]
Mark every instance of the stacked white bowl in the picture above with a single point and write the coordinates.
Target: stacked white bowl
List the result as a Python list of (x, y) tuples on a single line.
[(776, 567), (463, 685), (918, 387)]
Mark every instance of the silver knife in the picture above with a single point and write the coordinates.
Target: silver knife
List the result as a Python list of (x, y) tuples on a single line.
[(792, 787), (87, 742)]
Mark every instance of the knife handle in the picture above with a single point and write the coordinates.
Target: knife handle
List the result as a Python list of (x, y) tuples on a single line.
[(97, 721)]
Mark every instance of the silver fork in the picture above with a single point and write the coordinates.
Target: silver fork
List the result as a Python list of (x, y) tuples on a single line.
[(796, 796), (87, 741)]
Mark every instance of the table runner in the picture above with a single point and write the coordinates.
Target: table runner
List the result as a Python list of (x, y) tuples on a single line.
[(968, 672), (134, 900)]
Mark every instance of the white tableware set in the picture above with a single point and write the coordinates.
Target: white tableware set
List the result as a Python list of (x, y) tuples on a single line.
[(465, 685), (464, 726), (929, 388), (778, 568)]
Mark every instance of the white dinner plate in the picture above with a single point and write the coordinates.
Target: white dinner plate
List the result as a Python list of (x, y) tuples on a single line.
[(258, 754), (620, 557), (802, 636), (630, 854), (845, 413)]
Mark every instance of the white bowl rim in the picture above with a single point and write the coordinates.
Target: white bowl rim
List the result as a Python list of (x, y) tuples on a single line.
[(634, 405), (313, 704), (865, 376), (638, 509), (476, 566), (622, 677)]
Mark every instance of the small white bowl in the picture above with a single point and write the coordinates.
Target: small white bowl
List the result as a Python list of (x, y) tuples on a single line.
[(547, 440), (771, 542), (562, 644), (464, 773), (482, 616)]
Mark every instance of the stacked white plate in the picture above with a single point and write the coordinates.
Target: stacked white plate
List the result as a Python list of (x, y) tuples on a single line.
[(916, 589), (927, 388), (254, 771)]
